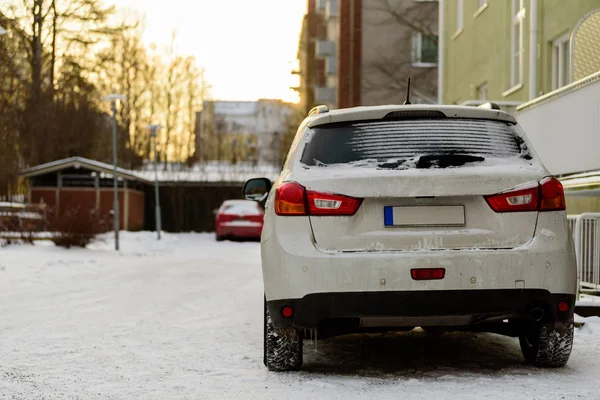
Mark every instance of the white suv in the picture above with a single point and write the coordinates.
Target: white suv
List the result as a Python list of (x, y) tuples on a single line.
[(392, 217)]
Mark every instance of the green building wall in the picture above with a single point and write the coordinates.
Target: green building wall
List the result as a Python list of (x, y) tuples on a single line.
[(480, 54)]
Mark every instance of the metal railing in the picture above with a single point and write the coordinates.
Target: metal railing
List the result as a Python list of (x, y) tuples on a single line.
[(586, 235)]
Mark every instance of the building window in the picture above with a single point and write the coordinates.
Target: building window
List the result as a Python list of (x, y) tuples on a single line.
[(482, 92), (424, 50), (516, 43), (331, 65), (332, 9), (561, 59), (460, 8)]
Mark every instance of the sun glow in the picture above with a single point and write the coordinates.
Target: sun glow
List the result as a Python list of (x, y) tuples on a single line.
[(247, 48)]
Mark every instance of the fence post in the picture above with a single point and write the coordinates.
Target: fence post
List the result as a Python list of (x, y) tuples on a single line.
[(578, 250)]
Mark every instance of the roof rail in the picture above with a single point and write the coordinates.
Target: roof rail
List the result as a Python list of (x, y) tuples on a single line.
[(490, 106), (319, 110)]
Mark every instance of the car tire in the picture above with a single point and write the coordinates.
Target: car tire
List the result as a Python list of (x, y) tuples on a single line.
[(547, 345), (220, 238), (282, 349)]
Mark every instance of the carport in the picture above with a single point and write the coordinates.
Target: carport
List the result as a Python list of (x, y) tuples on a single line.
[(87, 185)]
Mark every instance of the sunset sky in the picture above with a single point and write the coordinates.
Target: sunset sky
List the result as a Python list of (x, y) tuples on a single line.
[(248, 48)]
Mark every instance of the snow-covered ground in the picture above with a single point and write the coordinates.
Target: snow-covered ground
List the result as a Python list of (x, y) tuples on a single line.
[(182, 319)]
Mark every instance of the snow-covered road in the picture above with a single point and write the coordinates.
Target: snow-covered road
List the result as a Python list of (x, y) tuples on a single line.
[(182, 319)]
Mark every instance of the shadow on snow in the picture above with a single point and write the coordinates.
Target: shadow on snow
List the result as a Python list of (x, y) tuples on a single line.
[(416, 354)]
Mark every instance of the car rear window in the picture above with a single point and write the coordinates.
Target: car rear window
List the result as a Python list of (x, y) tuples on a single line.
[(250, 208), (412, 143)]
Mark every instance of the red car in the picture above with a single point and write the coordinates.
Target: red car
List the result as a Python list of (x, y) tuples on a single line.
[(239, 219)]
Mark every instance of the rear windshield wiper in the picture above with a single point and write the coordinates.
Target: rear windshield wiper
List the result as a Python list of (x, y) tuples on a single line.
[(447, 160), (390, 164)]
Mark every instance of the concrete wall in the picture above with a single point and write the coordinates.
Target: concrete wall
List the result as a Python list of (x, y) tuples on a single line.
[(565, 130), (581, 204)]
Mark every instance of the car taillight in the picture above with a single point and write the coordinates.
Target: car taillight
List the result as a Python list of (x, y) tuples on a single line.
[(552, 195), (515, 200), (227, 217), (426, 274), (292, 198), (547, 195), (331, 204)]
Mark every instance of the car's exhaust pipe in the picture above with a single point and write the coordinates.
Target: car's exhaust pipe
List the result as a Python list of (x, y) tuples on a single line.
[(536, 314)]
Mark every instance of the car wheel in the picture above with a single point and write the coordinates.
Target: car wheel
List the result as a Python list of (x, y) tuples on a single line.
[(220, 238), (282, 347), (547, 345)]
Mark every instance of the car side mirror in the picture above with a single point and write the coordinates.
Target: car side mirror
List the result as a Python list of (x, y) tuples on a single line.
[(257, 189), (215, 211)]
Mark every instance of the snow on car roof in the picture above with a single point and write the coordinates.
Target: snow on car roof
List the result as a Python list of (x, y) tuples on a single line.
[(243, 207), (239, 202)]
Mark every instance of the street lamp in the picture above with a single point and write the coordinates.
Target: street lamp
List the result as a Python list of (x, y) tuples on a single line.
[(113, 98), (153, 128)]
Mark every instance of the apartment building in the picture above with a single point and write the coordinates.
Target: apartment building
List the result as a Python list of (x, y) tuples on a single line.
[(487, 52), (242, 130), (367, 49)]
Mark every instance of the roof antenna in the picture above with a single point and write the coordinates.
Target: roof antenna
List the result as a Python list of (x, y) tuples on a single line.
[(407, 93)]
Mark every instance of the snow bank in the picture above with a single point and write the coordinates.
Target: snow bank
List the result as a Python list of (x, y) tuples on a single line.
[(139, 243), (587, 300)]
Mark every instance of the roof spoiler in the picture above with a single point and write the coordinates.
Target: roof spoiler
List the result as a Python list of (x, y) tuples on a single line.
[(322, 109), (489, 106)]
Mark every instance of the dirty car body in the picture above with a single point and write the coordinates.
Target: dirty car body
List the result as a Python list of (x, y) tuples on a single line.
[(388, 218)]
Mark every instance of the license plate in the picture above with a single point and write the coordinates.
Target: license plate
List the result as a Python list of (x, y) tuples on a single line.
[(424, 216)]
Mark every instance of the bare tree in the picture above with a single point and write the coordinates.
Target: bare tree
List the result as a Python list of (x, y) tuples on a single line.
[(194, 89), (219, 132), (121, 65), (40, 25), (60, 58)]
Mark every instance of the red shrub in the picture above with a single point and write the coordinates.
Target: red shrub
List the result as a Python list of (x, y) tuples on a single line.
[(76, 227)]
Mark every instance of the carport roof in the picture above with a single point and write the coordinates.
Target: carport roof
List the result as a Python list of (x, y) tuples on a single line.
[(81, 162)]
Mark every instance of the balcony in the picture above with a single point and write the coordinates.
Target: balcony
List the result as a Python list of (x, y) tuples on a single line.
[(325, 95), (325, 48)]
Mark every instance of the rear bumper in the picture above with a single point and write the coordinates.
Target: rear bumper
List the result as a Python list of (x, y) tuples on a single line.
[(239, 231), (293, 267), (314, 311)]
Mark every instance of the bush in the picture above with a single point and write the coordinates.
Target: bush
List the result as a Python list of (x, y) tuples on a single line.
[(76, 227)]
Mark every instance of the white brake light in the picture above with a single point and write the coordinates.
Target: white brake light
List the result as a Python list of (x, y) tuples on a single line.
[(519, 200), (327, 204)]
